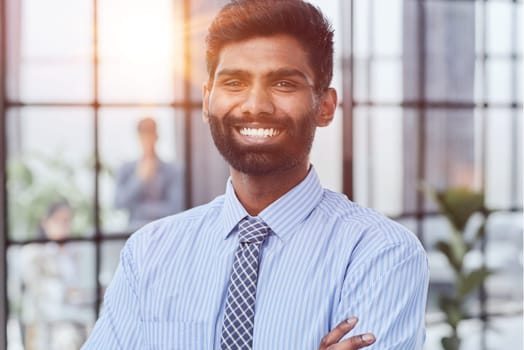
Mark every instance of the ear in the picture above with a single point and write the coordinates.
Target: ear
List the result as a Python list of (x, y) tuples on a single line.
[(328, 105), (205, 101)]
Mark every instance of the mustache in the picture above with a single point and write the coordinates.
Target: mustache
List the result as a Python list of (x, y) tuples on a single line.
[(275, 121)]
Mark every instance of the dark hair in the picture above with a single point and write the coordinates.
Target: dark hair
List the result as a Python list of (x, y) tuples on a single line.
[(244, 19), (52, 208)]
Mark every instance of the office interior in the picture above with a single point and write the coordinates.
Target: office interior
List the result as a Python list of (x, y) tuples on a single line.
[(430, 100)]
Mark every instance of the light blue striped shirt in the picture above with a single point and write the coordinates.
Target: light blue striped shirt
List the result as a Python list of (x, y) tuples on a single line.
[(326, 259)]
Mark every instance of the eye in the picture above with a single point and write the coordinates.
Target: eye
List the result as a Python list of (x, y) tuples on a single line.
[(286, 86), (234, 84)]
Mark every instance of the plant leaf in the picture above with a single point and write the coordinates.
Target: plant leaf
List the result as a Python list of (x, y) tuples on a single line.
[(450, 343), (452, 309), (451, 254), (458, 204), (472, 281)]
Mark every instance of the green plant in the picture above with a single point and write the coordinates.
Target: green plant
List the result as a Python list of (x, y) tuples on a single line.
[(458, 205), (35, 181)]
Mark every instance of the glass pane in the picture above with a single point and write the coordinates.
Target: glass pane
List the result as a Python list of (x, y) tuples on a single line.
[(326, 154), (362, 30), (50, 163), (135, 192), (517, 21), (499, 27), (378, 80), (110, 260), (51, 293), (450, 50), (517, 81), (437, 228), (361, 162), (386, 81), (387, 31), (378, 151), (138, 41), (362, 77), (59, 81), (450, 150), (501, 81), (411, 158), (387, 157), (480, 81), (518, 115), (504, 256), (500, 158), (47, 63)]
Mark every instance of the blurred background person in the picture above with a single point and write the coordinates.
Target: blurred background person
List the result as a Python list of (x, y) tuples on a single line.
[(57, 222), (148, 188), (52, 302)]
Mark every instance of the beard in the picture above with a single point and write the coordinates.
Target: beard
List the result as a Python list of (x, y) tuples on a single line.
[(260, 160)]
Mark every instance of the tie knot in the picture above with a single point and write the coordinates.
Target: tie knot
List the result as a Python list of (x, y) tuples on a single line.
[(252, 230)]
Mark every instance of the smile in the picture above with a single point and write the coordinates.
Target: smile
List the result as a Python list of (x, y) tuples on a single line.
[(259, 132)]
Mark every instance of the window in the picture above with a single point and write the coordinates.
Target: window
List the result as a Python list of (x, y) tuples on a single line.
[(430, 92), (436, 99)]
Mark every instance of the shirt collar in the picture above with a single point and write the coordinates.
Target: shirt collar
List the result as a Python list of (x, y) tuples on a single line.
[(283, 214)]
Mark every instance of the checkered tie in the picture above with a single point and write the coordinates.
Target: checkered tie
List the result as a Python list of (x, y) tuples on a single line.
[(239, 315)]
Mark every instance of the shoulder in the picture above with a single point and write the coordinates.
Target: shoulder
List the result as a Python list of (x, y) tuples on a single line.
[(172, 167), (371, 244), (170, 230), (364, 226), (127, 167)]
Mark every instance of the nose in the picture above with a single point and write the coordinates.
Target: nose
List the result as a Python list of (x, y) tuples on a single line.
[(258, 100)]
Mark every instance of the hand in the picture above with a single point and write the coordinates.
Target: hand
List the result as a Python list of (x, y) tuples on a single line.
[(331, 340)]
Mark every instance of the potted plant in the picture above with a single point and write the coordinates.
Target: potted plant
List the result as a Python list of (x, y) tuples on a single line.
[(458, 205)]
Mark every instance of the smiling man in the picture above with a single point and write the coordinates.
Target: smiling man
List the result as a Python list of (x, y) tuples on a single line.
[(277, 262)]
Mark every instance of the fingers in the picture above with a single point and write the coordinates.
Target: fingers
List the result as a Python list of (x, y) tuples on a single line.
[(338, 332), (331, 340), (355, 342)]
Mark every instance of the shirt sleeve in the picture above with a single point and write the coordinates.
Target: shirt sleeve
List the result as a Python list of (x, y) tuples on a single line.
[(387, 290), (119, 325)]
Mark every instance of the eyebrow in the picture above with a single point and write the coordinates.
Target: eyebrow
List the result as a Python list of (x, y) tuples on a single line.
[(289, 72), (232, 72), (279, 73)]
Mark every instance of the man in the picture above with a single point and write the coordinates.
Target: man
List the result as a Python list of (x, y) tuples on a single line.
[(148, 188), (277, 262)]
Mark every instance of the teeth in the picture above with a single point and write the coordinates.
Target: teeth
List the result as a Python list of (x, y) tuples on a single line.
[(259, 132)]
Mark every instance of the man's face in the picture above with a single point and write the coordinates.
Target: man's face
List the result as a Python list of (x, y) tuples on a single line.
[(148, 138), (261, 105)]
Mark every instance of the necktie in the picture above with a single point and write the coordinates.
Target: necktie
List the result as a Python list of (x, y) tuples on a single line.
[(239, 314)]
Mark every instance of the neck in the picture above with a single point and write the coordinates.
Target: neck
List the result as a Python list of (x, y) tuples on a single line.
[(257, 192), (149, 155)]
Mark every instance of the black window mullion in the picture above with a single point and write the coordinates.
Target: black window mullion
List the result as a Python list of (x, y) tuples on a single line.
[(96, 109), (347, 8), (483, 296), (370, 112), (3, 180), (188, 135), (514, 98), (421, 115)]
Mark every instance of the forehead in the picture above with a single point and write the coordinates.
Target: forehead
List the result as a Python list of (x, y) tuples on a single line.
[(263, 55)]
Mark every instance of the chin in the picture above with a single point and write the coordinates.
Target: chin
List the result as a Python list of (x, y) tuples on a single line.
[(256, 164)]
